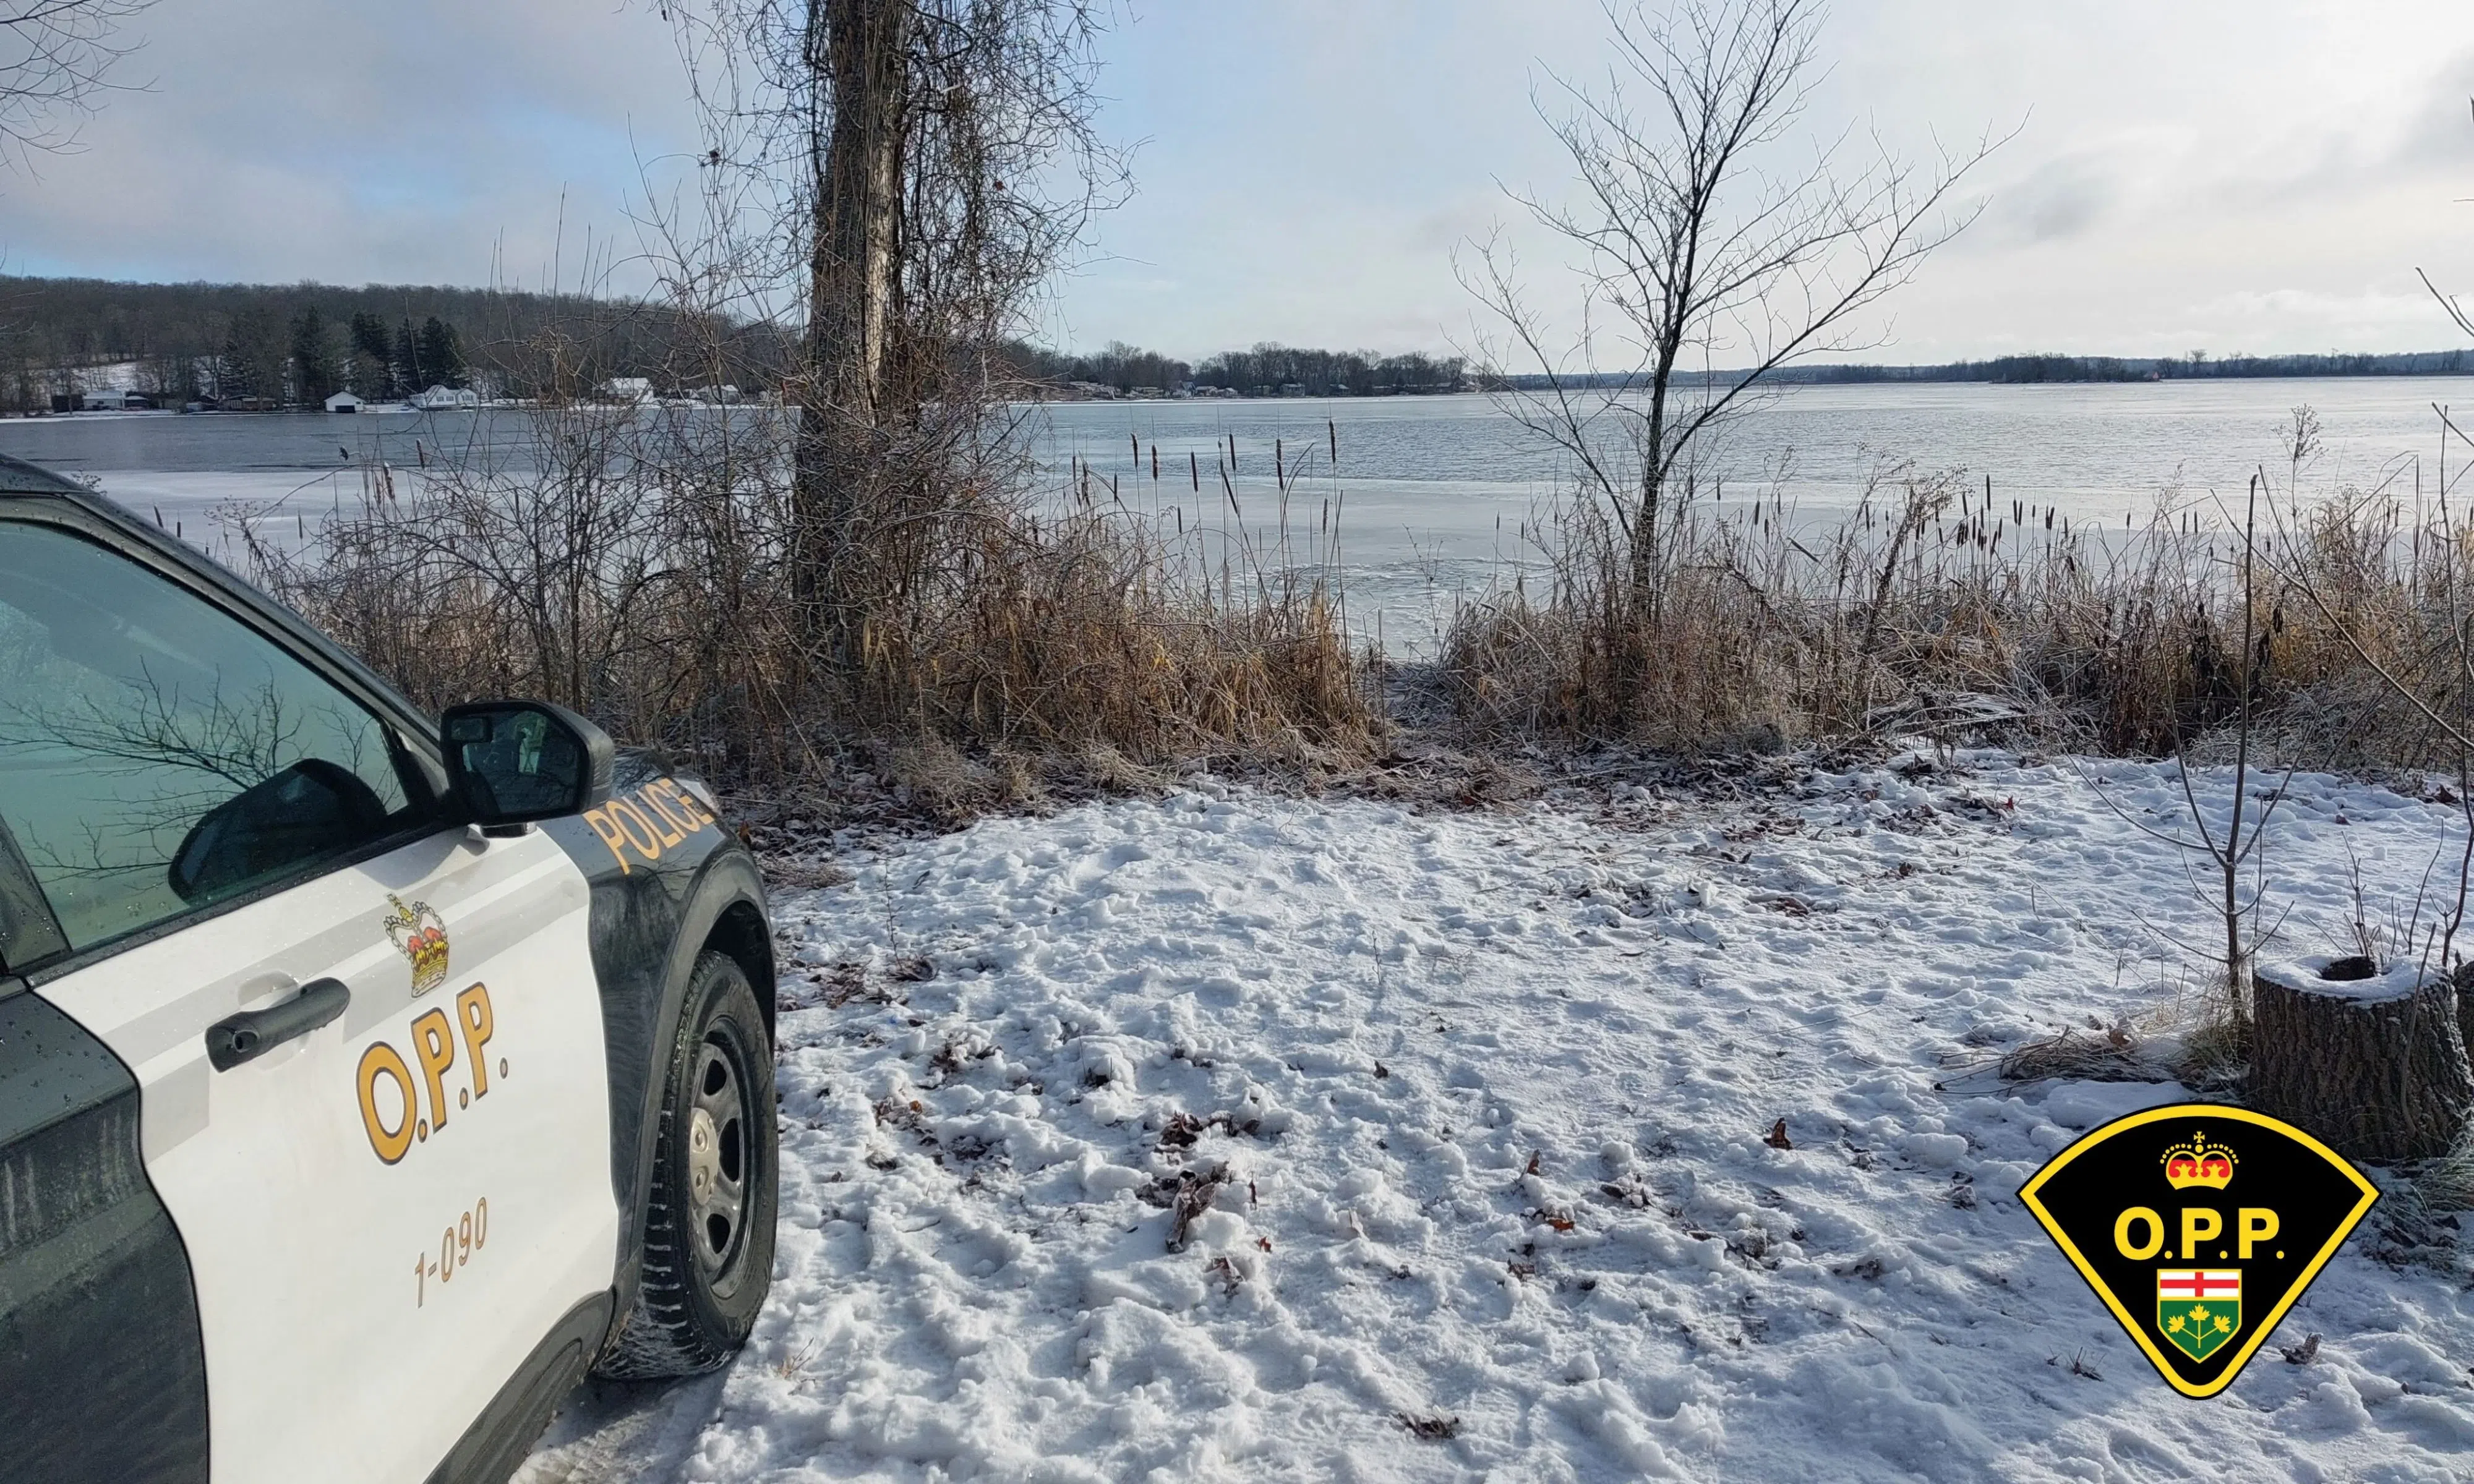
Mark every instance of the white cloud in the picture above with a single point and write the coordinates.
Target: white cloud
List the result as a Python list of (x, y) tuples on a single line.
[(2261, 172)]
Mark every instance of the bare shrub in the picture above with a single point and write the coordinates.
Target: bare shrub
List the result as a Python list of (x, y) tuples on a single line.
[(633, 562), (1937, 607)]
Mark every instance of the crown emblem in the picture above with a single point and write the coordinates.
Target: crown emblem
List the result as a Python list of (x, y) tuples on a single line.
[(2198, 1163), (420, 934)]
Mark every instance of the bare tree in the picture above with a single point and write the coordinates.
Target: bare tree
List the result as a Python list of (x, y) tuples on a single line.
[(56, 59), (1701, 240), (927, 164), (2240, 845), (2457, 312)]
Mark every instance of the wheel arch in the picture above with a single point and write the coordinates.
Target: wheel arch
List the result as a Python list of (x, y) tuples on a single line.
[(723, 910), (741, 931)]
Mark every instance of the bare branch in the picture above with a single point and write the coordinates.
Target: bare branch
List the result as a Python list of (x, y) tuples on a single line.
[(56, 59)]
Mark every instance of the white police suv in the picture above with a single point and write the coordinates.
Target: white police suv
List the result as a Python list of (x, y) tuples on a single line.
[(364, 1077)]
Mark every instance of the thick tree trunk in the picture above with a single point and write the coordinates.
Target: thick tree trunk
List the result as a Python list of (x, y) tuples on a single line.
[(2464, 978), (854, 268), (2372, 1063)]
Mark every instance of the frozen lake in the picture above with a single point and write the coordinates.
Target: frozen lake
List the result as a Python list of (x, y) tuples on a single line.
[(1431, 494)]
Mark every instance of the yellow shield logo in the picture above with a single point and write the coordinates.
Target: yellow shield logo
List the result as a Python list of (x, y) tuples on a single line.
[(2202, 1201)]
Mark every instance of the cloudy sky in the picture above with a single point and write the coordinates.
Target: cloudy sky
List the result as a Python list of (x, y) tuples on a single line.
[(2224, 174)]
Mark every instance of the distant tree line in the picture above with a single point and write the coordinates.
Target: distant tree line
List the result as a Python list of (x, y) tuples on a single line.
[(299, 344), (1264, 370), (2055, 368), (1119, 366), (1270, 369), (2197, 364)]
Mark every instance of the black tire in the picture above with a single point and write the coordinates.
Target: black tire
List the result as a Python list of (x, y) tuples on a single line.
[(708, 1261)]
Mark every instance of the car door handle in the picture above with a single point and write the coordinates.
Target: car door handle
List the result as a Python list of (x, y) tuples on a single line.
[(254, 1033)]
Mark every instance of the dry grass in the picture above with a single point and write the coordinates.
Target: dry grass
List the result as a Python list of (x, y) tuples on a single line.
[(633, 563), (2108, 1055), (1937, 610), (2447, 1184)]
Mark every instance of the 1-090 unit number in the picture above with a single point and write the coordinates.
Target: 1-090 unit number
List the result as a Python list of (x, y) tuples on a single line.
[(459, 1244)]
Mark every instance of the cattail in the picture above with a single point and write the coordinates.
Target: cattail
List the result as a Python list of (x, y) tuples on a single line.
[(1194, 469)]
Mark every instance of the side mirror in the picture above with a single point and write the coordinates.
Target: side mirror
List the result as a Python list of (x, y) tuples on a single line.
[(513, 762)]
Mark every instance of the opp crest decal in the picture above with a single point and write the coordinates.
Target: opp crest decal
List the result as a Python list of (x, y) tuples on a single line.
[(2198, 1225), (420, 934)]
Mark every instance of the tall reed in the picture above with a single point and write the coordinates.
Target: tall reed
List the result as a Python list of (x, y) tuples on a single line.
[(1938, 606), (633, 562)]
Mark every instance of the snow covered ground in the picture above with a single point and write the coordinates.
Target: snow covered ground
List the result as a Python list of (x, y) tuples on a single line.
[(1235, 1136)]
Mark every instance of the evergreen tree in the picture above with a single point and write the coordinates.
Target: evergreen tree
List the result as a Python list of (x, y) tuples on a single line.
[(313, 359), (252, 361), (442, 359), (369, 373), (403, 363)]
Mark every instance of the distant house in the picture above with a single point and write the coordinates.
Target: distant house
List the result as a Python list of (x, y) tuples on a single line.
[(629, 388), (113, 401), (343, 402), (446, 399)]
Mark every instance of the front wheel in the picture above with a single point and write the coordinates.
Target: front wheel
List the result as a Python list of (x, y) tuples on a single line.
[(708, 1218)]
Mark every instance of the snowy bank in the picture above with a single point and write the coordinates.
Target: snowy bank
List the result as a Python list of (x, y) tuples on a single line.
[(1234, 1136)]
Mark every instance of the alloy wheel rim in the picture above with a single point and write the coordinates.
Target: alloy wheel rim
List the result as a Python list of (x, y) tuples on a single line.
[(717, 1150)]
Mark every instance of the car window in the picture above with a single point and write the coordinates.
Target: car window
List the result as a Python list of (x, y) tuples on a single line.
[(158, 756)]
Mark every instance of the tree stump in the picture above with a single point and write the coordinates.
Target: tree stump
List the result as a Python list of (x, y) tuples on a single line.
[(2371, 1061)]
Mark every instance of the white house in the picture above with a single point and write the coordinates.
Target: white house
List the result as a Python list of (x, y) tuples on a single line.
[(629, 388), (343, 402), (446, 399)]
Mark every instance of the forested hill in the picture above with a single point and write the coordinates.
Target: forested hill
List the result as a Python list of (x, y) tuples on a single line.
[(298, 342), (294, 343)]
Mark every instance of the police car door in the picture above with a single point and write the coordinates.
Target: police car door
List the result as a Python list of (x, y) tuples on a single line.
[(369, 1047)]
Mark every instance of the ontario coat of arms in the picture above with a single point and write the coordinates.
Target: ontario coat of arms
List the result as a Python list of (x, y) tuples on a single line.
[(420, 934)]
